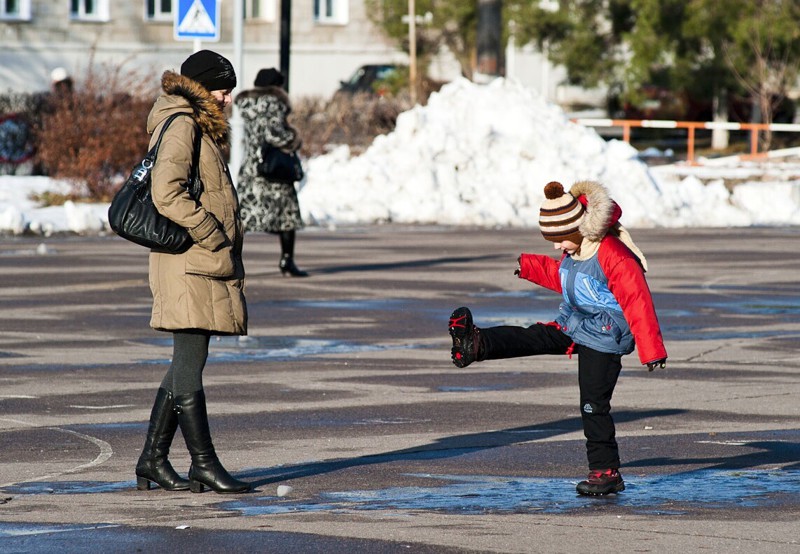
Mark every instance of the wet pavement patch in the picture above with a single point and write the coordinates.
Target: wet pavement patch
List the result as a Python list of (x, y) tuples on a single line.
[(473, 389), (251, 349), (747, 305), (689, 332), (187, 539), (353, 304), (674, 494), (70, 487), (455, 382), (29, 529)]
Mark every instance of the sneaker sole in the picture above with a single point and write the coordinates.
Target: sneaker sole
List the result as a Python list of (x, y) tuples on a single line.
[(459, 333)]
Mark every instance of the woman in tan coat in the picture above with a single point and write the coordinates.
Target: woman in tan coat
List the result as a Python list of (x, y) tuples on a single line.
[(201, 292)]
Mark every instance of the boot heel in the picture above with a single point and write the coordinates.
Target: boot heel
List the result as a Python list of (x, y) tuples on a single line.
[(196, 486), (143, 483)]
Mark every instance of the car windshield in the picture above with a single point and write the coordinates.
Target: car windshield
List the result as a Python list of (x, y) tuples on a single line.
[(384, 72), (357, 76)]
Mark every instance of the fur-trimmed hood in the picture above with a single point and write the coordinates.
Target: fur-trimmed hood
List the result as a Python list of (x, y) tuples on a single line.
[(185, 95), (602, 217), (601, 211), (271, 90)]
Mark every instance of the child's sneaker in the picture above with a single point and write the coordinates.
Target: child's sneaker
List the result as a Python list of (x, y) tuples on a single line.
[(600, 482), (465, 337)]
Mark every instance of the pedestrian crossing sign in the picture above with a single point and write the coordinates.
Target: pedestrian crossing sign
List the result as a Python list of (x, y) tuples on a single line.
[(197, 20)]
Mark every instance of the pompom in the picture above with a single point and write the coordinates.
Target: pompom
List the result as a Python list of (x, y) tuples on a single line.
[(553, 190)]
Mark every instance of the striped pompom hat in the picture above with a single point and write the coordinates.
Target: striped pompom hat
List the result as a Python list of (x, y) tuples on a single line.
[(561, 214)]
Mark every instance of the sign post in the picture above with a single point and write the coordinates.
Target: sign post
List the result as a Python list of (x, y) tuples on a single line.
[(197, 20)]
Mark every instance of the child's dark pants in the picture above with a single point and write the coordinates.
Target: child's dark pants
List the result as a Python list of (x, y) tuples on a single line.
[(597, 377)]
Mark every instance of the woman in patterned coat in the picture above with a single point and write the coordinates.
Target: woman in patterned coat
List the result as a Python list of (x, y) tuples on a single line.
[(266, 205)]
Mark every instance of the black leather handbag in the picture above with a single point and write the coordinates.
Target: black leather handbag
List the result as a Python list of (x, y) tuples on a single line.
[(279, 166), (132, 214)]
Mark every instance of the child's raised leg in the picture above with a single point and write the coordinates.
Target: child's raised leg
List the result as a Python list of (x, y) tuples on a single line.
[(471, 344)]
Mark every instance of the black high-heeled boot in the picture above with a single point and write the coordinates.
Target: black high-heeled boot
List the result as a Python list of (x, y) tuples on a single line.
[(206, 469), (287, 265), (153, 465)]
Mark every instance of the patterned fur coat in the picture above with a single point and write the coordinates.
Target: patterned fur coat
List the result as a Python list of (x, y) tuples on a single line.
[(266, 206)]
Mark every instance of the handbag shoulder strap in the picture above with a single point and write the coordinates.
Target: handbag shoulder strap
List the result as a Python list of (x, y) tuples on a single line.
[(151, 155), (195, 169), (194, 184)]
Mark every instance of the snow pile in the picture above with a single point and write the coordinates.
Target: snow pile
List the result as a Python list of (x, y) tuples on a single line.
[(480, 155), (765, 193), (19, 213), (475, 155)]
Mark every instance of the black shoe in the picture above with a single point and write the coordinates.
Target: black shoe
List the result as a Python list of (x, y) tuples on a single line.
[(153, 466), (206, 469), (601, 482), (287, 267), (466, 338)]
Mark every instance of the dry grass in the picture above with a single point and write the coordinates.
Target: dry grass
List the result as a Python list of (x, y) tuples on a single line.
[(354, 120)]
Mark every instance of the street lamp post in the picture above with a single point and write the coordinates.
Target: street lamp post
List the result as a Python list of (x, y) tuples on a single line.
[(286, 39), (412, 50), (489, 39)]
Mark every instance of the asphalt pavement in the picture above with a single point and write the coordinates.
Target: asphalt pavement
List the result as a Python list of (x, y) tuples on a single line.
[(344, 396)]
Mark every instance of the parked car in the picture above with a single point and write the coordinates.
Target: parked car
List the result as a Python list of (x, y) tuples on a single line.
[(661, 103), (369, 78)]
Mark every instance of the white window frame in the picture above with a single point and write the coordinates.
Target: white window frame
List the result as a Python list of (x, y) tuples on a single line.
[(339, 12), (159, 15), (100, 13), (260, 10), (23, 12)]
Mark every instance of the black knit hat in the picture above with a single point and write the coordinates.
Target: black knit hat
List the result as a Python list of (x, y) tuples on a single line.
[(269, 77), (210, 69)]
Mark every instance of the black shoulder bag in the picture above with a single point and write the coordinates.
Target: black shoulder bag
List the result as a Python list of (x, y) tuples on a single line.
[(132, 214), (276, 165)]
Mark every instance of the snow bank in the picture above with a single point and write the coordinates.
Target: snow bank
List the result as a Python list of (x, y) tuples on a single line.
[(480, 155)]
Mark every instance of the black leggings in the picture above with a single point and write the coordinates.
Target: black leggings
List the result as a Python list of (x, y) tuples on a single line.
[(189, 355), (597, 376)]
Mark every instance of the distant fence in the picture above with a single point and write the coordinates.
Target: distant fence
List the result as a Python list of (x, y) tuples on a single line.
[(691, 126)]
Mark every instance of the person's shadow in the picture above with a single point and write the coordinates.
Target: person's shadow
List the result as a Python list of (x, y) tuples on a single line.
[(775, 452), (416, 264), (447, 447)]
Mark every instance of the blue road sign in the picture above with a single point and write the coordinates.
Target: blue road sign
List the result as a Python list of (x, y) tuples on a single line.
[(197, 20)]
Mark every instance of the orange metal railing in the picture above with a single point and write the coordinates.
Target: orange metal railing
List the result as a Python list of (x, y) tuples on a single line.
[(691, 127)]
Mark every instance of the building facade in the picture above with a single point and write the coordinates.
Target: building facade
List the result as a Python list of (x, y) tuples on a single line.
[(329, 39)]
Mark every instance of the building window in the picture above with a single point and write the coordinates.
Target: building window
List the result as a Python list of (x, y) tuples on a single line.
[(158, 10), (19, 10), (260, 9), (89, 10), (331, 11)]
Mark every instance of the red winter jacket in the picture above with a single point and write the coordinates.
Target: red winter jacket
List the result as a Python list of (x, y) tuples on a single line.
[(609, 282)]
